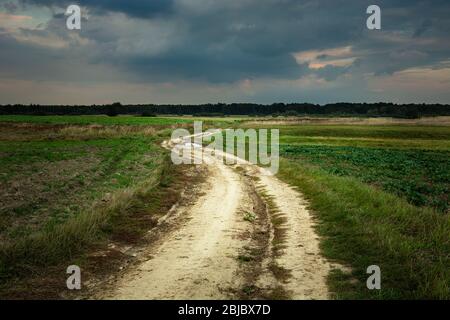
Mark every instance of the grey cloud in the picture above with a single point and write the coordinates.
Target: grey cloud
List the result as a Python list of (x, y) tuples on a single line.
[(135, 8), (331, 73), (426, 24), (228, 41), (10, 7)]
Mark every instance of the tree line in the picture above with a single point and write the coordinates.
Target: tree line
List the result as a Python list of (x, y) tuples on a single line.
[(251, 109)]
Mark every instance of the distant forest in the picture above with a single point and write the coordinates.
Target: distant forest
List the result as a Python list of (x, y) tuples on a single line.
[(221, 109)]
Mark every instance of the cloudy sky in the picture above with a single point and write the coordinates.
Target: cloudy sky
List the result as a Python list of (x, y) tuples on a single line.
[(199, 51)]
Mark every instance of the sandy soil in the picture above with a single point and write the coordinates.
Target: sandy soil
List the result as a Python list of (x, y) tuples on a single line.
[(199, 260), (300, 252), (202, 257)]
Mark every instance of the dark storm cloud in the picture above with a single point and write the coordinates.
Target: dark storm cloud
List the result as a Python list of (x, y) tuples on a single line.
[(10, 7), (135, 8), (18, 60), (426, 24), (228, 41), (231, 40), (228, 66)]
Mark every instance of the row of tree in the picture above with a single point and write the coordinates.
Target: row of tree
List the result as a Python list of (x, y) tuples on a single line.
[(221, 109)]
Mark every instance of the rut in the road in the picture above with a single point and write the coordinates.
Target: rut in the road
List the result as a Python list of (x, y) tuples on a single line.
[(200, 259), (297, 251)]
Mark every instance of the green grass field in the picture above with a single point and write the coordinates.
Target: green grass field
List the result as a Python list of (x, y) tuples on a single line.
[(380, 194), (123, 120)]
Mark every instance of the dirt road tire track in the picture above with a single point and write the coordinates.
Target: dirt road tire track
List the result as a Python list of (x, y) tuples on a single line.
[(200, 259)]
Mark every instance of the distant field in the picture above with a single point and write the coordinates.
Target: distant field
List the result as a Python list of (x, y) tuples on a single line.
[(121, 120), (101, 120), (358, 131), (339, 120)]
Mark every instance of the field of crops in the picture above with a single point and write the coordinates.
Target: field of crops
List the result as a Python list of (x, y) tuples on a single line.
[(46, 182), (420, 176), (380, 194), (63, 187), (411, 162)]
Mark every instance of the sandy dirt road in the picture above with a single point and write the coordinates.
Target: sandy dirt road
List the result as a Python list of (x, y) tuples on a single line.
[(226, 246)]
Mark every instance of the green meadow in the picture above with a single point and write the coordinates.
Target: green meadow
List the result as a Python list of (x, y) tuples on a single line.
[(379, 194), (381, 197)]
